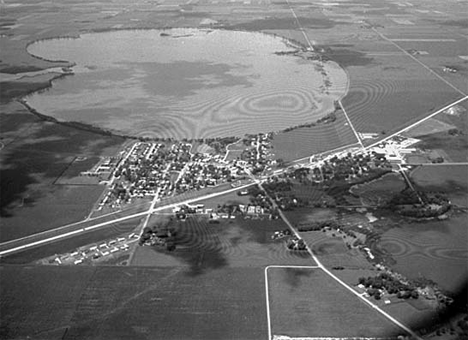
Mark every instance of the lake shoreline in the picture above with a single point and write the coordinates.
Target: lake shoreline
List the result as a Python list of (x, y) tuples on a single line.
[(330, 72)]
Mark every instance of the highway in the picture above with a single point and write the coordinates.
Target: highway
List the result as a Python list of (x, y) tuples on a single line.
[(417, 123), (17, 245), (333, 276), (148, 208)]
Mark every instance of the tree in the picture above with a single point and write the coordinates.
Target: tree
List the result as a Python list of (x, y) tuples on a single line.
[(170, 246)]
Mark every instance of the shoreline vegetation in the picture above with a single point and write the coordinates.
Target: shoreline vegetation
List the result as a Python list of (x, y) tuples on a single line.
[(66, 37), (9, 88), (299, 51), (327, 119)]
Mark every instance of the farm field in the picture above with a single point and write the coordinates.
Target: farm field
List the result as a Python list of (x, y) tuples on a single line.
[(131, 303), (230, 198), (36, 155), (379, 191), (39, 302), (312, 193), (213, 285), (429, 127), (308, 303), (193, 195), (436, 250), (332, 251), (454, 140), (394, 101), (417, 318), (452, 180), (203, 246), (303, 215), (68, 244), (41, 210), (306, 141), (388, 89)]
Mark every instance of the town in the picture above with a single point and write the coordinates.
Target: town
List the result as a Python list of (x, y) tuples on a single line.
[(161, 169)]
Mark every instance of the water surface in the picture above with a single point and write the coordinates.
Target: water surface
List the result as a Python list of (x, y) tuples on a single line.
[(191, 83)]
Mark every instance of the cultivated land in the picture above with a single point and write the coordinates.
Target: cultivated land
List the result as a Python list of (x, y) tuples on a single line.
[(452, 180), (435, 250), (303, 302), (132, 303), (379, 191), (202, 246), (404, 61)]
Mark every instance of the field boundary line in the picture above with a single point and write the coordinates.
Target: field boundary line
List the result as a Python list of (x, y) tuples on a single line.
[(403, 173), (439, 164), (292, 266), (351, 124), (103, 224), (419, 62), (267, 294), (418, 122), (349, 288), (70, 233), (347, 146), (267, 297), (300, 26)]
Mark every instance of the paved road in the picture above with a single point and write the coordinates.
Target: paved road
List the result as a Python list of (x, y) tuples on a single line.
[(342, 283), (334, 277), (74, 229), (418, 122), (438, 164), (133, 212)]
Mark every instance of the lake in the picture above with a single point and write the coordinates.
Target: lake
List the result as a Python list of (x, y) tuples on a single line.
[(188, 83)]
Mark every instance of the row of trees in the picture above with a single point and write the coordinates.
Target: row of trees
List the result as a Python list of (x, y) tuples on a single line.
[(329, 118), (390, 284), (296, 244), (408, 203), (161, 233)]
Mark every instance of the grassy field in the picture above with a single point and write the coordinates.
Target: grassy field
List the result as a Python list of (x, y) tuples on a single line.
[(308, 303), (131, 303), (34, 156), (380, 191), (450, 180), (71, 175), (393, 106), (39, 302), (212, 286), (455, 144), (415, 318), (332, 251), (231, 198), (69, 244), (428, 127), (196, 193), (58, 206), (312, 193), (203, 246), (306, 141), (388, 88), (303, 215), (436, 250)]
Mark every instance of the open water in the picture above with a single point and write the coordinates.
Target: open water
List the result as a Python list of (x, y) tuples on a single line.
[(185, 83)]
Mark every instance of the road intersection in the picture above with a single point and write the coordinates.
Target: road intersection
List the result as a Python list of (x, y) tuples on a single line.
[(140, 211)]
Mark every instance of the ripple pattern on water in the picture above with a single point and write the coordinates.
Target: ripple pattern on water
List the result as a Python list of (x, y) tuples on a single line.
[(198, 85)]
